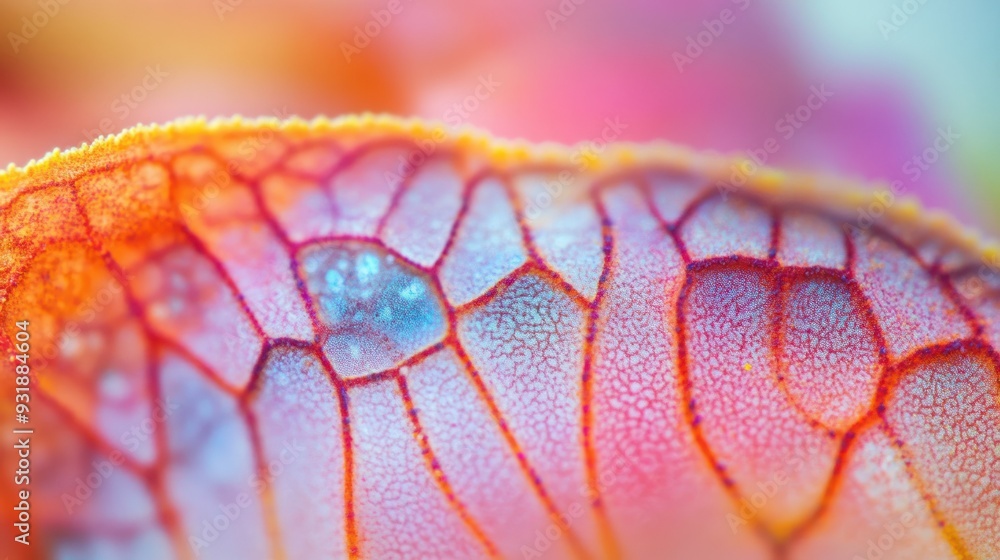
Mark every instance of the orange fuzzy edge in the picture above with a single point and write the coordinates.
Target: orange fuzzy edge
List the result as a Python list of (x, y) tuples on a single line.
[(804, 187)]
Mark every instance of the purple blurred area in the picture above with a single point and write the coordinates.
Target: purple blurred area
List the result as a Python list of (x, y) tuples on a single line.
[(854, 88)]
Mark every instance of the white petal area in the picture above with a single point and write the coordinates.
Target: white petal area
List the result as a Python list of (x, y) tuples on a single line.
[(401, 511), (909, 304), (811, 240), (420, 224), (727, 225), (212, 476), (672, 194), (299, 420), (362, 192), (877, 511), (188, 301), (946, 411), (567, 235), (473, 454), (487, 247), (527, 344)]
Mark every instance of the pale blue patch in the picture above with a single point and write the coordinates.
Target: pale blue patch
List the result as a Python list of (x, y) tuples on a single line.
[(367, 267), (379, 310), (334, 281), (415, 290), (114, 385)]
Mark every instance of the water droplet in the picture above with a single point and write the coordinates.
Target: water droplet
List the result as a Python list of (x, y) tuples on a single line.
[(367, 267), (413, 291), (379, 311), (114, 385)]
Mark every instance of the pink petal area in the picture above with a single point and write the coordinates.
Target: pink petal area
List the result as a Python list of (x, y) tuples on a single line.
[(226, 218), (301, 206), (401, 512), (473, 455), (419, 226), (778, 462), (568, 237), (309, 491), (672, 194), (261, 269), (647, 458), (828, 355), (314, 160), (120, 521), (876, 513), (99, 503), (727, 225), (946, 413), (527, 344), (487, 246), (361, 193), (895, 283), (810, 240), (188, 302), (211, 474), (704, 404), (124, 398)]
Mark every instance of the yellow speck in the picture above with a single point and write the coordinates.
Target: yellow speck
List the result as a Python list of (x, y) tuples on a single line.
[(747, 366)]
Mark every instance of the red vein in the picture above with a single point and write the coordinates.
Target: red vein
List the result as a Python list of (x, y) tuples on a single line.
[(269, 502), (536, 483), (609, 543), (166, 509), (434, 467)]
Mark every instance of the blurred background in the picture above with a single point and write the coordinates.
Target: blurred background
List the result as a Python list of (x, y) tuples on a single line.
[(873, 89)]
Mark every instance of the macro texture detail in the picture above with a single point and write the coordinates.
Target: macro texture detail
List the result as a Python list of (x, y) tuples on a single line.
[(368, 339)]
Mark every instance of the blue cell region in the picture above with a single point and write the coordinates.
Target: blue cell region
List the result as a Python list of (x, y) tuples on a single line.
[(379, 309)]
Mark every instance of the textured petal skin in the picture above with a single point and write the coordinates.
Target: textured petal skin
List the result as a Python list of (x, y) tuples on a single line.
[(370, 339)]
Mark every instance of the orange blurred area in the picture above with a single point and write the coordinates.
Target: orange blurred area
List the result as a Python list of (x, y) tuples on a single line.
[(727, 75), (557, 72)]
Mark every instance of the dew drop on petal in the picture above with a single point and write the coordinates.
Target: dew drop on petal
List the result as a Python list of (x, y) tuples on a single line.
[(378, 310)]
